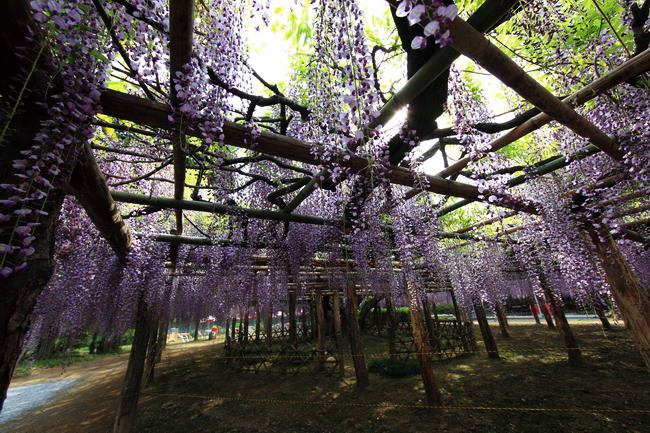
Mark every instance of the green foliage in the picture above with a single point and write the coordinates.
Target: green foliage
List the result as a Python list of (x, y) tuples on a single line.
[(394, 367)]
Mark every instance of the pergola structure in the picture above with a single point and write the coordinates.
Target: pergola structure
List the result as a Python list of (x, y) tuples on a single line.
[(144, 115)]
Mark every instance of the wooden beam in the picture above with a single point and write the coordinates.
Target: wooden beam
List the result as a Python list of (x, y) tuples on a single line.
[(474, 45), (90, 188), (152, 114), (181, 27), (624, 72)]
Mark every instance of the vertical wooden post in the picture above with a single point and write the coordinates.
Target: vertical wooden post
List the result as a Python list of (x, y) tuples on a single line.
[(246, 324), (545, 312), (422, 346), (354, 334), (227, 336), (575, 356), (320, 320), (533, 309), (338, 331), (456, 309), (126, 410), (196, 328), (428, 321), (240, 337), (293, 326), (498, 311), (392, 325), (600, 312), (257, 320), (152, 349), (234, 328), (486, 332), (434, 307), (269, 326), (282, 331)]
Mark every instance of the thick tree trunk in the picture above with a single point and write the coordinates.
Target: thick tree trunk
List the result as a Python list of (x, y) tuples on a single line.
[(126, 410), (486, 332), (632, 300), (573, 350), (20, 289), (354, 334), (338, 331), (503, 325), (422, 346)]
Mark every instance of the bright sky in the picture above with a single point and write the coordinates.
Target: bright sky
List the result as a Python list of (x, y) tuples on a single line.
[(270, 56)]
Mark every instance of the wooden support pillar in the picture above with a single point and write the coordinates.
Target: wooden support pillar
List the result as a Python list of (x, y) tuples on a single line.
[(633, 301), (320, 320), (233, 333), (240, 337), (354, 334), (126, 410), (486, 332), (498, 311), (246, 325), (227, 336), (434, 308), (269, 326), (428, 321), (392, 325), (546, 313), (600, 312), (293, 326), (152, 350), (196, 328), (418, 328), (533, 309), (456, 309), (573, 350), (338, 331), (258, 319)]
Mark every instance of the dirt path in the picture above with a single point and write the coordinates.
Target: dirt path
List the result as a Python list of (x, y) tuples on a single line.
[(90, 405)]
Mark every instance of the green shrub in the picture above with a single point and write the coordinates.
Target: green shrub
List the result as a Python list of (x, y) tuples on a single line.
[(394, 367)]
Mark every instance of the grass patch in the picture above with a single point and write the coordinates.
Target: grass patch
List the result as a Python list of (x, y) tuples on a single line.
[(26, 368)]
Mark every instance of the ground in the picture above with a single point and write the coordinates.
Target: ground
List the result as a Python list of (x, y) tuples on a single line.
[(193, 393)]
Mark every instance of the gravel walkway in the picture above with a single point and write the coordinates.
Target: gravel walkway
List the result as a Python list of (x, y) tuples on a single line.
[(22, 399)]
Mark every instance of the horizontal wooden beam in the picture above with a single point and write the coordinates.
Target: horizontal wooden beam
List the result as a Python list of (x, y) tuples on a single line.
[(155, 115), (204, 206)]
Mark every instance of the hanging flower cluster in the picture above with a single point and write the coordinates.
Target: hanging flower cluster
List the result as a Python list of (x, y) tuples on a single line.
[(434, 15)]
